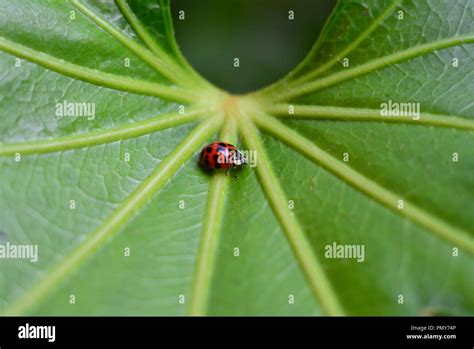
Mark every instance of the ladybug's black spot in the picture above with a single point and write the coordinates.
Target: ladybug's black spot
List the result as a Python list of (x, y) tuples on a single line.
[(208, 149), (206, 157), (215, 157), (207, 163), (223, 144)]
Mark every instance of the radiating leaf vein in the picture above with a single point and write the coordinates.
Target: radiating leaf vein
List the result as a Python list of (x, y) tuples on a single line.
[(389, 199)]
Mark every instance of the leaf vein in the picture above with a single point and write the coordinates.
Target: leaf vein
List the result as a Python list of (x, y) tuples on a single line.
[(372, 66), (101, 136), (366, 114), (111, 226), (165, 67), (92, 76), (372, 189), (272, 189), (214, 215)]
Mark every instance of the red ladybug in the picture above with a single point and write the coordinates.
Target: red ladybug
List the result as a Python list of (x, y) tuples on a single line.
[(221, 155)]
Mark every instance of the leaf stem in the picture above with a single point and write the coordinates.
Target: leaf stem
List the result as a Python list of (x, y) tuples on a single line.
[(166, 68), (213, 218), (376, 64), (348, 49), (153, 44), (389, 199), (116, 82), (170, 34), (140, 30), (102, 136), (112, 225), (330, 63), (365, 114), (308, 260)]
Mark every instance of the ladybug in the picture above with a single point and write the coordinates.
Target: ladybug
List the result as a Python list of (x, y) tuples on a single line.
[(221, 155)]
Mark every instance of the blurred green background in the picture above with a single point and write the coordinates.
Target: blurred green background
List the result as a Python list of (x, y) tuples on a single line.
[(258, 32)]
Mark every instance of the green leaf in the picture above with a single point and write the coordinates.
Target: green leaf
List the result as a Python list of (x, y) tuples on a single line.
[(127, 223)]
